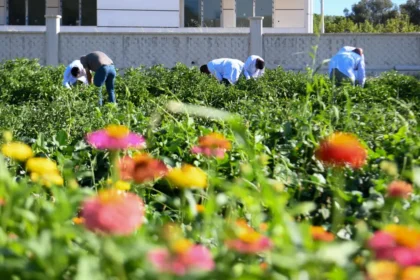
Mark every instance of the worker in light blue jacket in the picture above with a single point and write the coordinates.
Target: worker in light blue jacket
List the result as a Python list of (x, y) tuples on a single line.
[(225, 70), (348, 64), (254, 67)]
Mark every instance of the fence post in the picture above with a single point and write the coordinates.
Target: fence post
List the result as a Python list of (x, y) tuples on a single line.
[(256, 36), (52, 42)]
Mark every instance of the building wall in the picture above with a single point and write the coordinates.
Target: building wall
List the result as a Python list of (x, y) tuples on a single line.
[(287, 15), (138, 13)]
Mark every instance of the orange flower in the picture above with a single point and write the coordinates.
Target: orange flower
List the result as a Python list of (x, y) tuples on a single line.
[(126, 167), (200, 208), (320, 234), (263, 226), (263, 266), (78, 220), (404, 236), (341, 149), (383, 270), (411, 273), (247, 240), (399, 189)]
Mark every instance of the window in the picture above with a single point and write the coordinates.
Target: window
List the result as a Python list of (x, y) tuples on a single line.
[(26, 12), (78, 12), (192, 13), (244, 10), (36, 12), (202, 13), (17, 12), (211, 12), (264, 8)]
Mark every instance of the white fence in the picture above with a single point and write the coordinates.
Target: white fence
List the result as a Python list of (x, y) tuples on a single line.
[(197, 46)]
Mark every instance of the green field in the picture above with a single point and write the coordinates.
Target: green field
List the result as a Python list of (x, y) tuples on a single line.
[(269, 179)]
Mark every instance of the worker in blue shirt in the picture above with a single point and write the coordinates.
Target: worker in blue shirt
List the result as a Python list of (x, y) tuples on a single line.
[(254, 67), (348, 64), (225, 70)]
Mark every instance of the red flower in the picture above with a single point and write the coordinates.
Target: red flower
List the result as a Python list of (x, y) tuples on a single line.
[(113, 212), (399, 189), (341, 149), (147, 168)]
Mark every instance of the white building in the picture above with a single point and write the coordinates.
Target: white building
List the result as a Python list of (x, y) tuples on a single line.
[(291, 16)]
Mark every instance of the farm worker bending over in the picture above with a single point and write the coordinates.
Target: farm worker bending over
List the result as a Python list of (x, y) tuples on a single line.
[(104, 69), (348, 64), (225, 70), (74, 72), (254, 67)]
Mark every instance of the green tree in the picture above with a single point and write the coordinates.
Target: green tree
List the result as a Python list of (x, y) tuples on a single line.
[(412, 10), (375, 11)]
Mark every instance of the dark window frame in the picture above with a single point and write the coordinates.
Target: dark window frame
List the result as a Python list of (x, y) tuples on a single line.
[(27, 21), (80, 20)]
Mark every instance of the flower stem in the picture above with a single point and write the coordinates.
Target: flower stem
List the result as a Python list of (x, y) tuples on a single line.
[(115, 173)]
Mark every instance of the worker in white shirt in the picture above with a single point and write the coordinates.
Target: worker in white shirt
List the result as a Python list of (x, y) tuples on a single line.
[(73, 73), (254, 67), (225, 70), (349, 65)]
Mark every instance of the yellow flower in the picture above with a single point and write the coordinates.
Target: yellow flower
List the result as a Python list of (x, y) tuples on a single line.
[(404, 236), (110, 196), (181, 246), (411, 273), (17, 151), (200, 208), (117, 131), (122, 186), (47, 179), (187, 176), (41, 165), (383, 270), (246, 233)]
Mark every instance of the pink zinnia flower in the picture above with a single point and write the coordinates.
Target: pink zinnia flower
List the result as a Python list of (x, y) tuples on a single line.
[(262, 244), (113, 212), (381, 240), (248, 241), (406, 256), (213, 144), (180, 262), (115, 137)]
